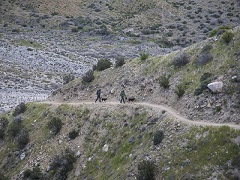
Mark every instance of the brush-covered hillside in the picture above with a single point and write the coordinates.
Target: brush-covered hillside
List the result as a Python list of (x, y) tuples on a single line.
[(44, 44), (171, 131)]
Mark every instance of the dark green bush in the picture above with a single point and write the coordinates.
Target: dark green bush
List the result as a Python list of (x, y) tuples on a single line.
[(22, 138), (35, 174), (144, 56), (73, 134), (21, 108), (158, 137), (103, 64), (180, 90), (2, 133), (55, 125), (88, 77), (227, 37), (164, 81), (15, 127), (146, 170), (62, 165), (119, 62), (180, 60)]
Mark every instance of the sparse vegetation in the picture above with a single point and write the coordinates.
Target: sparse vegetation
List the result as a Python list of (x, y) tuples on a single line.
[(203, 59), (180, 60), (88, 77), (146, 170), (34, 174), (227, 37), (164, 81), (68, 78), (62, 165), (180, 90), (55, 125)]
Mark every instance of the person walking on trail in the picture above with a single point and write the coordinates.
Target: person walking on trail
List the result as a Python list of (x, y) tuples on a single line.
[(98, 93), (122, 96)]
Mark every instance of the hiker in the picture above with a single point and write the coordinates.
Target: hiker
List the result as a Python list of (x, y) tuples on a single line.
[(98, 93), (122, 96)]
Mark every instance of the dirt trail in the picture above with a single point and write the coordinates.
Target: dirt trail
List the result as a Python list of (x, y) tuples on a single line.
[(169, 110)]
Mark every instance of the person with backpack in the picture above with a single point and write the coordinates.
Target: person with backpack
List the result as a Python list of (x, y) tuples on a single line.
[(98, 93), (122, 96)]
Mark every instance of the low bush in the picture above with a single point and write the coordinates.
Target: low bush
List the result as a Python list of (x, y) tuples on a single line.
[(88, 76), (2, 133), (68, 78), (73, 134), (75, 29), (180, 60), (22, 138), (21, 108), (180, 90), (3, 122), (55, 125), (15, 127), (3, 177), (119, 62), (164, 81), (34, 174), (227, 37), (207, 48), (62, 164), (203, 59), (158, 137), (103, 64), (204, 81), (144, 56), (146, 170)]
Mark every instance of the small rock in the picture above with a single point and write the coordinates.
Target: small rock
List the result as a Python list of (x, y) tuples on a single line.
[(22, 156), (215, 87), (105, 148)]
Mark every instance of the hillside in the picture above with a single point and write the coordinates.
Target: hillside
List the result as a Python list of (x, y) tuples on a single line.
[(178, 60), (61, 139), (43, 43)]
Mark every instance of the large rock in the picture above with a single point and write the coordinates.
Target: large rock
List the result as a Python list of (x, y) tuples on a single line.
[(215, 87)]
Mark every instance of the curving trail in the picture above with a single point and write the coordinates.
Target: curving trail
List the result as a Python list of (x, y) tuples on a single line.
[(170, 111)]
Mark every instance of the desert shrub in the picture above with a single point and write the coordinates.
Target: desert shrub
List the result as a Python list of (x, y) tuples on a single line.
[(22, 138), (119, 62), (204, 81), (3, 122), (206, 48), (55, 125), (164, 81), (62, 164), (21, 108), (164, 43), (236, 161), (158, 137), (2, 133), (88, 76), (34, 174), (3, 177), (15, 127), (180, 90), (203, 59), (73, 134), (103, 64), (227, 37), (144, 56), (67, 78), (146, 170), (74, 29), (180, 60)]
